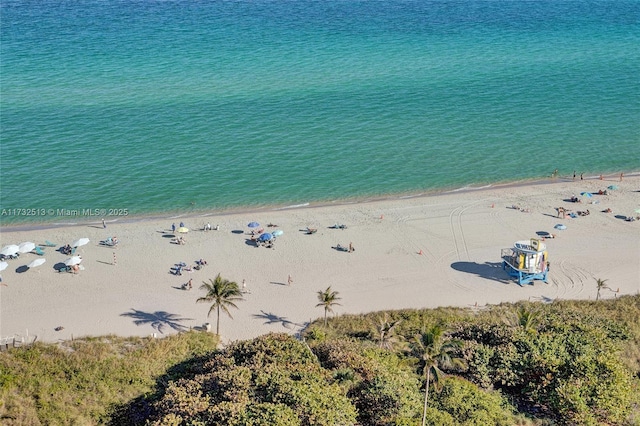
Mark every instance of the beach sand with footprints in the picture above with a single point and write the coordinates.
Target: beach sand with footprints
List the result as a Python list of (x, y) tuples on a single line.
[(419, 251)]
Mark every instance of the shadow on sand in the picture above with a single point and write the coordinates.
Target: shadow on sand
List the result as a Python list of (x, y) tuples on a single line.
[(159, 320), (488, 270), (271, 318)]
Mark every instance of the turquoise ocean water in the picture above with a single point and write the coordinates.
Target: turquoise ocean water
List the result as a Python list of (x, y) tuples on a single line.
[(163, 107)]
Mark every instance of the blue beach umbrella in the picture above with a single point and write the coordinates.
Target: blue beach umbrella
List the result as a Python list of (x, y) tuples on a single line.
[(560, 226), (277, 232), (586, 194), (265, 237), (253, 224)]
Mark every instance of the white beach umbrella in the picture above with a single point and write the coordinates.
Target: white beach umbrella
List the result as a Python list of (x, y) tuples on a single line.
[(36, 262), (80, 242), (3, 266), (73, 261), (26, 247), (10, 250)]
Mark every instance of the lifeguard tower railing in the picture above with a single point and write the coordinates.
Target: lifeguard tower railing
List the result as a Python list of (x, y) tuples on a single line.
[(524, 262)]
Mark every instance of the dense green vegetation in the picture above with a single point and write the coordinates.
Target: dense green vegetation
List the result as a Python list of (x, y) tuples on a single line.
[(86, 381), (566, 363)]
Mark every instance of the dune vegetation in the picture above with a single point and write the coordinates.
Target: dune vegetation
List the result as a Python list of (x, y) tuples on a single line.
[(565, 363)]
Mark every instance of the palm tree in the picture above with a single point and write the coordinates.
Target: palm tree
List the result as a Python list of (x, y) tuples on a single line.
[(435, 352), (223, 293), (328, 299), (601, 284), (386, 331), (524, 317)]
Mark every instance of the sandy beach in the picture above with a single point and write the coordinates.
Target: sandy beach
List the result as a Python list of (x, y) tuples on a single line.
[(411, 252)]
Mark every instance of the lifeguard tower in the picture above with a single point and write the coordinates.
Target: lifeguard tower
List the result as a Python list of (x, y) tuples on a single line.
[(527, 261)]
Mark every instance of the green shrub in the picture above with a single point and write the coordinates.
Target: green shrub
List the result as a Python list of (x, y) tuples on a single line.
[(469, 405), (273, 379)]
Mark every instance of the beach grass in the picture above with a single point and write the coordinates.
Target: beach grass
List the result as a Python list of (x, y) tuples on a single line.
[(84, 381)]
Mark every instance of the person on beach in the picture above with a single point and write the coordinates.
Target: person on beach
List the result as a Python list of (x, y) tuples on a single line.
[(173, 227), (244, 286), (350, 247), (581, 174), (289, 280), (574, 175), (181, 224), (104, 224), (621, 174)]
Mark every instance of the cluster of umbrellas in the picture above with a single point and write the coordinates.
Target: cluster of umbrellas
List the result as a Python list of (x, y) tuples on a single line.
[(28, 246), (266, 236), (13, 249)]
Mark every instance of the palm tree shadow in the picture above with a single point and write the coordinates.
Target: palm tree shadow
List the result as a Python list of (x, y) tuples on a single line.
[(271, 318), (159, 320), (488, 270)]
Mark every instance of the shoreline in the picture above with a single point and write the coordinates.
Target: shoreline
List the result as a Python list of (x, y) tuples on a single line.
[(211, 213), (417, 252)]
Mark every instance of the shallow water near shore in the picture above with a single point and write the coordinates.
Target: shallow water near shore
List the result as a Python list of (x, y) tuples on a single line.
[(162, 109)]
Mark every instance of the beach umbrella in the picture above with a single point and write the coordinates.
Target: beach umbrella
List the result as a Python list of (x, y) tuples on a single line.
[(637, 210), (612, 187), (253, 224), (277, 232), (10, 250), (265, 237), (183, 230), (586, 194), (80, 242), (26, 247), (3, 266), (560, 226), (36, 262), (73, 261)]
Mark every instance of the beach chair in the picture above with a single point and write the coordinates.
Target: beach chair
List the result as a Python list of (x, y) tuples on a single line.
[(38, 251), (48, 243)]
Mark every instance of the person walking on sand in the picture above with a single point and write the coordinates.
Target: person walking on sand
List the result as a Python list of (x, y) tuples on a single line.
[(289, 280), (173, 227), (581, 176), (621, 174), (350, 247), (104, 224), (244, 286), (574, 175)]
